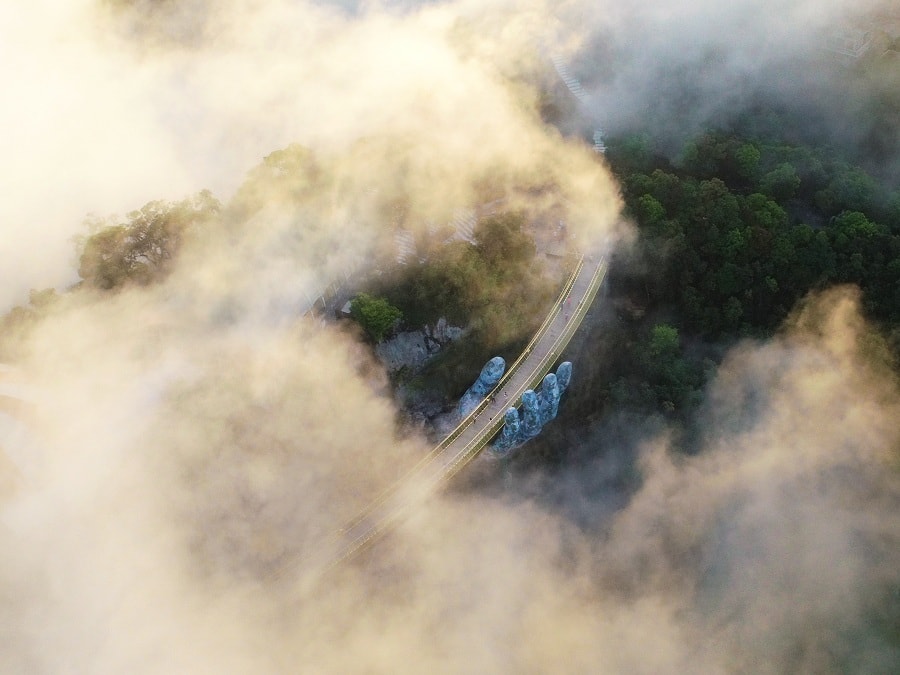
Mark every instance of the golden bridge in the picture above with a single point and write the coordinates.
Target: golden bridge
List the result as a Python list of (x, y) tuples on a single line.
[(475, 431)]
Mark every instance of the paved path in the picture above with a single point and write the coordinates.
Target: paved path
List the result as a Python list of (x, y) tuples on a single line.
[(476, 430)]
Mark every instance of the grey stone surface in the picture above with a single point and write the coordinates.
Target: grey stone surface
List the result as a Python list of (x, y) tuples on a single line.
[(455, 332), (564, 376), (538, 408), (509, 434), (404, 349), (548, 398), (412, 349), (531, 415), (488, 378)]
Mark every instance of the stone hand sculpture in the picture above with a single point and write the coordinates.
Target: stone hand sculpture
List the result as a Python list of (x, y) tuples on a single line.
[(548, 400), (509, 434), (564, 376), (538, 408), (487, 380), (531, 414)]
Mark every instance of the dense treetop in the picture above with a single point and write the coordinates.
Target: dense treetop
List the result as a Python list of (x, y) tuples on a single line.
[(733, 232)]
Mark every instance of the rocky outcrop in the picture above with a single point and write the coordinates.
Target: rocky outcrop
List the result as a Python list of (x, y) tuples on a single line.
[(412, 349)]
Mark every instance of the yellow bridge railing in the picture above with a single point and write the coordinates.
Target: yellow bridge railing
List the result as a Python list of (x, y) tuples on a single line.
[(467, 421), (346, 549)]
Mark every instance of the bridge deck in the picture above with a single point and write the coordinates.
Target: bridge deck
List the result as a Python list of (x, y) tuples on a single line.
[(482, 424)]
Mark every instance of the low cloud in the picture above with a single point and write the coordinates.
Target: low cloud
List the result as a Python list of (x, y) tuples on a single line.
[(176, 476), (191, 438), (116, 106)]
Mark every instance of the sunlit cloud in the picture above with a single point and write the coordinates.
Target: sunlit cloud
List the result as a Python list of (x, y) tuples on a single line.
[(188, 440)]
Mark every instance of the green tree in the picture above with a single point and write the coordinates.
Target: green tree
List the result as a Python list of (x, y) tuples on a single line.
[(104, 259), (716, 155), (765, 213), (664, 342), (781, 183), (285, 178), (892, 215), (650, 211), (631, 153), (732, 312), (668, 381), (143, 249), (855, 225), (746, 160), (715, 208), (851, 189), (376, 315), (667, 188), (503, 242)]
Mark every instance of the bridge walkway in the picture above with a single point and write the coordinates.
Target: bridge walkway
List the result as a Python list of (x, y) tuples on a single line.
[(482, 424)]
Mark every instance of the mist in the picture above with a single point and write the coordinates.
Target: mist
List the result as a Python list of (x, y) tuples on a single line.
[(682, 68), (190, 446)]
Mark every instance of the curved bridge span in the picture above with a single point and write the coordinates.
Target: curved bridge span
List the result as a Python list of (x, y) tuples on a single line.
[(480, 426)]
